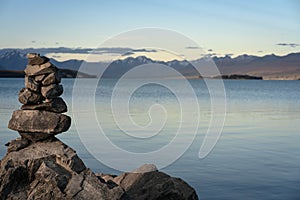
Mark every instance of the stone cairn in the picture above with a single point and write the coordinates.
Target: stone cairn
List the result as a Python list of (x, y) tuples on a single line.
[(40, 116)]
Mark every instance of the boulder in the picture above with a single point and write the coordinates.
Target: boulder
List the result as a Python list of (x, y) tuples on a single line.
[(51, 79), (35, 121), (31, 84), (145, 168), (51, 170), (154, 185), (27, 96), (52, 91), (37, 60), (93, 189), (35, 70), (57, 105)]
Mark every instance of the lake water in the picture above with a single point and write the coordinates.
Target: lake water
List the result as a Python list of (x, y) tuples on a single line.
[(256, 157)]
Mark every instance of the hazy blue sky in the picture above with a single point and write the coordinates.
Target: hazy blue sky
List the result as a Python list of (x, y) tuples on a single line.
[(232, 26)]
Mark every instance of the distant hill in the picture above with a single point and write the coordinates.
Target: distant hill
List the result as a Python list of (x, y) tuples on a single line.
[(117, 68), (64, 73), (268, 67), (12, 60), (242, 67), (13, 63), (15, 60)]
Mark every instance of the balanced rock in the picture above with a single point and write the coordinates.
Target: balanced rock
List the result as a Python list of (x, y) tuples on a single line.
[(27, 96), (31, 84), (52, 91), (34, 70), (51, 79), (37, 60), (57, 105), (35, 121)]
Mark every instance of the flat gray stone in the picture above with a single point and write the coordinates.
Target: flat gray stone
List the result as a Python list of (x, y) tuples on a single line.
[(34, 70), (51, 79), (35, 121), (52, 91), (31, 84), (27, 96), (57, 105)]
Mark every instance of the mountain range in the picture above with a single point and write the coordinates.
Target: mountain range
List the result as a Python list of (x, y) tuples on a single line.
[(268, 66)]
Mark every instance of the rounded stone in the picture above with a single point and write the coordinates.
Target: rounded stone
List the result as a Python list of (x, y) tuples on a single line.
[(31, 84), (27, 96), (52, 91), (51, 79), (57, 105)]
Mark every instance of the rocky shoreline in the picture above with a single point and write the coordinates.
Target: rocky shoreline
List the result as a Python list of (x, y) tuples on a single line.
[(49, 169), (39, 166)]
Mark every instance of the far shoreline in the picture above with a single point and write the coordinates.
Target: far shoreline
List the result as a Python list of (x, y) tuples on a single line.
[(67, 73)]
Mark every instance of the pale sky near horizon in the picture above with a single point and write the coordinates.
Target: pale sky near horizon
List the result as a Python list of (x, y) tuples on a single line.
[(226, 26)]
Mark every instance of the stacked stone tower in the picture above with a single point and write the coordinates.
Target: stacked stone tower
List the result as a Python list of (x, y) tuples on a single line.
[(40, 115)]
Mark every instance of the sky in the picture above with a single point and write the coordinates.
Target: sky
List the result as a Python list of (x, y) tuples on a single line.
[(221, 27)]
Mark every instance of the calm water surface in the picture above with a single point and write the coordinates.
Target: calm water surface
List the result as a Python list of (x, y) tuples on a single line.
[(257, 156)]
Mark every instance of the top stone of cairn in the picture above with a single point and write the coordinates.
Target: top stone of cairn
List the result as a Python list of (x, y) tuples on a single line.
[(36, 59)]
